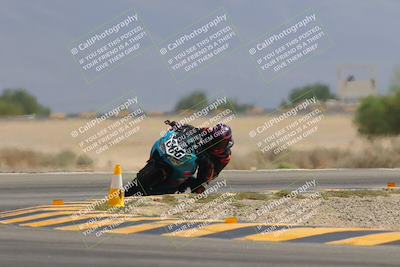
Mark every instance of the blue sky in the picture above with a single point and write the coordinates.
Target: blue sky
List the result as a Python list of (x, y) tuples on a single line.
[(36, 35)]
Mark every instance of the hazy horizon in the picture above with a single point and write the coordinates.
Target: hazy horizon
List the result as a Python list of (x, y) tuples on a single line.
[(37, 35)]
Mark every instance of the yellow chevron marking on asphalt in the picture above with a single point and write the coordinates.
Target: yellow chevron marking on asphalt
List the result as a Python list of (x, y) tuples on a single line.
[(60, 208), (35, 217), (369, 240), (106, 222), (65, 219), (83, 203), (210, 229), (296, 233), (142, 227), (137, 219), (22, 212), (19, 212), (33, 210), (67, 204), (5, 212)]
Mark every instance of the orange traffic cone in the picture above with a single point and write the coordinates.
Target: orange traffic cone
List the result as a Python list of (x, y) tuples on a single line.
[(116, 192)]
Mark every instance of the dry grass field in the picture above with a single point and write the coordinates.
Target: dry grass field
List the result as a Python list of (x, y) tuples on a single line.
[(54, 136)]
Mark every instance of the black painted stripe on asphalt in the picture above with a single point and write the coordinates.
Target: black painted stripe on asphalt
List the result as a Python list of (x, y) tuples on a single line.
[(332, 236), (251, 230), (179, 226)]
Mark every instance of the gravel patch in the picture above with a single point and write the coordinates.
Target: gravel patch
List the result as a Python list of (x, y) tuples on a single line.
[(372, 209)]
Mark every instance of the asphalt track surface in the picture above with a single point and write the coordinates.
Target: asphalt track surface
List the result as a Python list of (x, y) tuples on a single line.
[(24, 190), (21, 246), (45, 247)]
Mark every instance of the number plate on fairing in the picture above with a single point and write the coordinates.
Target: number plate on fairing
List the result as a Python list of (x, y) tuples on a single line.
[(173, 148)]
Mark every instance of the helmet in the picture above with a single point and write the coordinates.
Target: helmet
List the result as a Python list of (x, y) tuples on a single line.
[(222, 136)]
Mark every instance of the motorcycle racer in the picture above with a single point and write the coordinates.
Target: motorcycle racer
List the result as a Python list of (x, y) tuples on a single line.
[(214, 153), (205, 150)]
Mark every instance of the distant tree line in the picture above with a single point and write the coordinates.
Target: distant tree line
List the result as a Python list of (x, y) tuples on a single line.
[(380, 115), (20, 102), (198, 100), (321, 92)]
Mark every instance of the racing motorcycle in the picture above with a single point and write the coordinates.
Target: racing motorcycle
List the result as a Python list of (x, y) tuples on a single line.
[(172, 161)]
